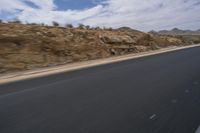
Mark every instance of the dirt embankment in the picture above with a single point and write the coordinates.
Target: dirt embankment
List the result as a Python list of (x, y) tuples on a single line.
[(24, 47)]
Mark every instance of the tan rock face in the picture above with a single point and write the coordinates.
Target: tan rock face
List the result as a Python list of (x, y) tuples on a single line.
[(25, 47), (117, 39)]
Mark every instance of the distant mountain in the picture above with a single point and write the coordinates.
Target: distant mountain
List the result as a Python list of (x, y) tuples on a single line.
[(177, 31)]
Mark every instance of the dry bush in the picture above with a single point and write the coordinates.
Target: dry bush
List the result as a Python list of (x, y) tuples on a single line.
[(81, 26), (87, 27), (69, 26), (56, 24)]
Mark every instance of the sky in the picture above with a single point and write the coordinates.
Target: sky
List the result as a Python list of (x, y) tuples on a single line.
[(144, 15)]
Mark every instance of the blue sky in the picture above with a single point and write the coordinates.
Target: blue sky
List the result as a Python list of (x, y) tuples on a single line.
[(143, 15), (75, 4)]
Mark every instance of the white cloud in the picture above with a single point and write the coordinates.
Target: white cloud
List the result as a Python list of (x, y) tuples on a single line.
[(11, 5), (63, 17), (139, 14)]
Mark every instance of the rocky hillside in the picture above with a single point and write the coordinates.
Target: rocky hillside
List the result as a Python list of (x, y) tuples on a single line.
[(24, 47)]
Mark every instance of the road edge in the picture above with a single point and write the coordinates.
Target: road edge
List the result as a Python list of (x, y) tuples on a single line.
[(86, 64)]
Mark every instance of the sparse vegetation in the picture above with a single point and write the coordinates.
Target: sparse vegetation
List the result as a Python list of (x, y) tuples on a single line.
[(81, 26), (42, 24), (69, 26), (56, 24), (27, 23), (110, 29), (97, 28), (87, 27), (16, 22)]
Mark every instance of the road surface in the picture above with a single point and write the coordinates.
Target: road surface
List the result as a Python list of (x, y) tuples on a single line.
[(155, 94)]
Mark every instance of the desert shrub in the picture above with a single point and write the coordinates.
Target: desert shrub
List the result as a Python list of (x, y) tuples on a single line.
[(16, 21), (81, 26), (33, 24), (110, 29), (69, 26), (87, 27), (97, 28), (42, 24), (55, 23), (107, 28)]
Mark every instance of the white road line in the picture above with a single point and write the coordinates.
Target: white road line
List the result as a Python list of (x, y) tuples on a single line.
[(152, 117)]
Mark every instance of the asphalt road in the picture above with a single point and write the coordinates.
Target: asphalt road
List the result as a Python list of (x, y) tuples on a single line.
[(155, 94)]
